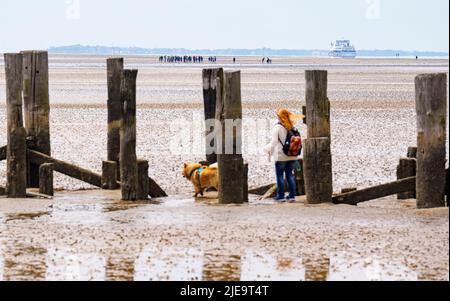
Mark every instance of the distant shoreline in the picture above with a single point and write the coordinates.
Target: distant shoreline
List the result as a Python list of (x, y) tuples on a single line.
[(263, 52)]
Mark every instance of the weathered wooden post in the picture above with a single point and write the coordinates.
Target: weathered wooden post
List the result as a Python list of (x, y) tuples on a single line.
[(299, 176), (231, 163), (210, 100), (406, 169), (109, 175), (37, 107), (46, 179), (412, 152), (431, 106), (245, 182), (114, 74), (16, 185), (128, 159), (143, 180), (317, 104), (318, 171)]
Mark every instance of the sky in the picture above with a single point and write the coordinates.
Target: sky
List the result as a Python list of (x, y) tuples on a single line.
[(421, 25)]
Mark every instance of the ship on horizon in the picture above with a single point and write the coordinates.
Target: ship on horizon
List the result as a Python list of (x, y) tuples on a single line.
[(342, 49)]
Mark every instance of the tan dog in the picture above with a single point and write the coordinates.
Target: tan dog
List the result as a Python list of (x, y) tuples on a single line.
[(203, 177)]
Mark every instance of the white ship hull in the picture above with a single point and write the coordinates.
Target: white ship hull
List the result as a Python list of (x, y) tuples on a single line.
[(342, 49)]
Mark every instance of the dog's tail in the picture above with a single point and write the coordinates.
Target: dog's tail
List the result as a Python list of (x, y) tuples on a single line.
[(214, 166)]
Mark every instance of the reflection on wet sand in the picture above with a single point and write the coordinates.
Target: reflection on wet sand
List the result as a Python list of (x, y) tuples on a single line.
[(221, 267), (346, 268), (24, 262), (63, 265), (264, 267), (169, 265)]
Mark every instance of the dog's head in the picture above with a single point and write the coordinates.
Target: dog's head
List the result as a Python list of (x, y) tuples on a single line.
[(188, 168)]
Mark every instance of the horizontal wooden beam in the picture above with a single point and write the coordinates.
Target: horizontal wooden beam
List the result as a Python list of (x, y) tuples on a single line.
[(376, 192), (85, 175), (67, 169), (155, 190), (261, 190), (3, 153)]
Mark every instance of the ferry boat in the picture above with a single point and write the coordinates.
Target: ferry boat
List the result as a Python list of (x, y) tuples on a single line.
[(343, 49)]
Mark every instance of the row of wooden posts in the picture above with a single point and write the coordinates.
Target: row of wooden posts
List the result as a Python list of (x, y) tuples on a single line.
[(422, 175), (30, 164), (28, 150)]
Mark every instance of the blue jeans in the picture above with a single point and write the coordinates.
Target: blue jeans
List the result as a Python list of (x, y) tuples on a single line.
[(287, 168)]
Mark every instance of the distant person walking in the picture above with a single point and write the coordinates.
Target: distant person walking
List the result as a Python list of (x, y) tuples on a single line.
[(234, 60)]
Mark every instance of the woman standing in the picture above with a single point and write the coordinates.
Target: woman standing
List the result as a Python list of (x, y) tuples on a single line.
[(285, 153)]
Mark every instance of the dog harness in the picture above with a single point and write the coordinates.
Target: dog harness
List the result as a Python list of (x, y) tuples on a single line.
[(199, 170)]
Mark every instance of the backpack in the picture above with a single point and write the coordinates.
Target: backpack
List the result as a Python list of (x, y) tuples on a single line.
[(293, 145)]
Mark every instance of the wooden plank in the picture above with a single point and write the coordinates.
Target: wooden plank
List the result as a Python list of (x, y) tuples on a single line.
[(376, 192), (36, 106), (261, 190), (114, 79), (431, 107), (128, 158), (155, 191), (3, 152), (67, 169)]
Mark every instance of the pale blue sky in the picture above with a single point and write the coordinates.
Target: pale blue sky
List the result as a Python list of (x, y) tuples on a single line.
[(198, 24)]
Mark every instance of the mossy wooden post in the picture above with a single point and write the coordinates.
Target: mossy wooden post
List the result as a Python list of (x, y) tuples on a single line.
[(318, 171), (109, 175), (143, 180), (46, 179), (36, 107), (231, 163), (114, 74), (16, 152), (431, 105), (128, 159), (406, 169), (209, 99)]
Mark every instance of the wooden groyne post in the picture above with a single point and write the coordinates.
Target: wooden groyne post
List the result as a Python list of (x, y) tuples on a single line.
[(143, 186), (406, 169), (36, 107), (231, 163), (46, 179), (317, 152), (209, 77), (16, 152), (114, 75), (128, 159), (431, 106)]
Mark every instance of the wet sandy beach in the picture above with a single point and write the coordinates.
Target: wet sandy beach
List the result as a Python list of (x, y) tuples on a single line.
[(89, 235), (92, 236)]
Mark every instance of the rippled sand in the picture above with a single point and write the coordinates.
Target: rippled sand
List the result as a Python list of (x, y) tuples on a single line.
[(373, 124)]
